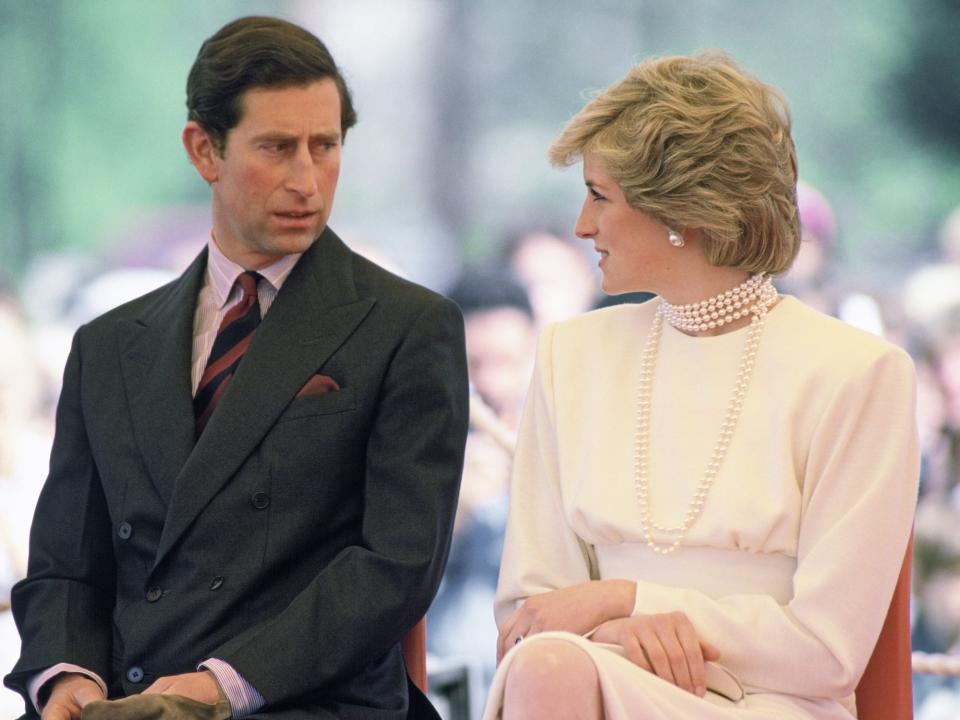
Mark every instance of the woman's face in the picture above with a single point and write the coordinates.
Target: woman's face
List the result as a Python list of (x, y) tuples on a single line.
[(634, 251)]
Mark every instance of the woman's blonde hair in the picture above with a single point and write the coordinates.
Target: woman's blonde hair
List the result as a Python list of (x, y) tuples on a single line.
[(697, 142)]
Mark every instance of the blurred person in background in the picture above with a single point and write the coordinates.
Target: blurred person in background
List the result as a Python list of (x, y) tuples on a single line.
[(931, 308), (812, 277), (936, 474), (712, 491), (24, 442), (936, 606), (815, 276), (500, 339), (946, 367), (24, 450), (944, 323), (555, 271)]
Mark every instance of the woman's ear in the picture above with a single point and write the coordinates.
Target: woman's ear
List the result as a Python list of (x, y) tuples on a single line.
[(201, 151)]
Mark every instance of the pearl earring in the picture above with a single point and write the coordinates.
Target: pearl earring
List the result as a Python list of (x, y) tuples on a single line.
[(675, 239)]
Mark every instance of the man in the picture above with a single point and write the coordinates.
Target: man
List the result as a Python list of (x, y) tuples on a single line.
[(242, 510)]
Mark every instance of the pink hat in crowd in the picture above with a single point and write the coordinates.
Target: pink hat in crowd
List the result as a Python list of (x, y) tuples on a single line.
[(816, 216)]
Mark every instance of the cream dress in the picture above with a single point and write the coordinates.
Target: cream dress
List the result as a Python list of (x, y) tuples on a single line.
[(791, 566)]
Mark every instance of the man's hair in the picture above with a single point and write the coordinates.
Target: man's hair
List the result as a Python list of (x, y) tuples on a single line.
[(256, 52), (698, 142)]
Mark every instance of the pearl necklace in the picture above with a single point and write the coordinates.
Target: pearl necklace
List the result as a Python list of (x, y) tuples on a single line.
[(721, 309), (755, 296)]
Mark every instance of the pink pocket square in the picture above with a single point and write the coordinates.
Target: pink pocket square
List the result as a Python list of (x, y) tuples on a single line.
[(318, 384)]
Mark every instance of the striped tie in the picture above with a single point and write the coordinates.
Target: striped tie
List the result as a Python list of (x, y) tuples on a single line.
[(233, 337)]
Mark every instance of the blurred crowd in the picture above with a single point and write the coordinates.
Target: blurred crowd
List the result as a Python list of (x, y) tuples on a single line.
[(541, 275)]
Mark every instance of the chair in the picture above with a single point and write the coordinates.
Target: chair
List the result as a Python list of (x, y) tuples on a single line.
[(454, 686), (885, 691), (414, 646)]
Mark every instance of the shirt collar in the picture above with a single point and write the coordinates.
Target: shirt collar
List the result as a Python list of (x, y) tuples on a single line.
[(222, 272)]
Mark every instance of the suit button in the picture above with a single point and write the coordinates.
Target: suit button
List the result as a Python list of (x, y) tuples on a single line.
[(154, 594), (216, 583), (260, 500), (125, 530), (135, 674)]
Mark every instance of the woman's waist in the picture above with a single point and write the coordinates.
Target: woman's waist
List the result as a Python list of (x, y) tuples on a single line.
[(713, 571)]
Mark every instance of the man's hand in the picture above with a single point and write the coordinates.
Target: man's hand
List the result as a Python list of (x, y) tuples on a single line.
[(577, 609), (70, 693), (199, 686), (664, 644)]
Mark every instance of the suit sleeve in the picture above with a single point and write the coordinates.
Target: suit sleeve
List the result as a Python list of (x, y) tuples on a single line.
[(362, 603), (859, 495), (63, 608)]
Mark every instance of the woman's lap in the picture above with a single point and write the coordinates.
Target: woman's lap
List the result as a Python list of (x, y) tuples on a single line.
[(631, 693)]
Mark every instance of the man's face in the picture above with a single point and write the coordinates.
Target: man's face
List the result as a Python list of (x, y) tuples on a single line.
[(273, 186)]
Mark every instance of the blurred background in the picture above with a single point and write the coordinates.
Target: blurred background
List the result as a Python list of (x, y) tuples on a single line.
[(445, 180)]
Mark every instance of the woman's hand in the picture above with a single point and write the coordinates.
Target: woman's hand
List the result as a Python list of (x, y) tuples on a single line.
[(577, 609), (664, 644)]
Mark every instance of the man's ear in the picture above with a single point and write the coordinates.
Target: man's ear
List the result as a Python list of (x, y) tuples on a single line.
[(201, 151)]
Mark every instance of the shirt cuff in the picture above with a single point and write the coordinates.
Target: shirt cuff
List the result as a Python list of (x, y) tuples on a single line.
[(243, 697), (36, 683)]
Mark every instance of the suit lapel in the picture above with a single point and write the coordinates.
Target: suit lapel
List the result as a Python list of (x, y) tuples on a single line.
[(155, 359), (314, 313)]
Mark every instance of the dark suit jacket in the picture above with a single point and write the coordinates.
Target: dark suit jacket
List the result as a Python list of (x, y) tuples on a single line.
[(298, 539)]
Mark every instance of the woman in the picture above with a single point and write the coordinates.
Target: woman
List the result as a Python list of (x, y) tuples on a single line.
[(712, 491)]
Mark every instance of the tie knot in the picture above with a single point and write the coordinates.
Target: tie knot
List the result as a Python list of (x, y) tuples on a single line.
[(248, 282)]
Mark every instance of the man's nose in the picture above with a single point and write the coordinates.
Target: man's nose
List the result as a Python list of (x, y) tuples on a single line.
[(301, 175)]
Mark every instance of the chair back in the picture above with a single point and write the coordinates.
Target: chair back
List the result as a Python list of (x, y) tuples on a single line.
[(414, 647), (885, 691)]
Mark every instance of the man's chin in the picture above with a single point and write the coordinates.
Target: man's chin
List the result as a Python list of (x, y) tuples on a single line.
[(292, 243)]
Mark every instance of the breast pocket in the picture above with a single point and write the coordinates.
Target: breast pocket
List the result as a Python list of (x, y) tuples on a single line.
[(328, 403)]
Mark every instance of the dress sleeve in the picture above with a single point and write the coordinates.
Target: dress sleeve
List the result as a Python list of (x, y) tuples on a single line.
[(859, 494), (541, 552)]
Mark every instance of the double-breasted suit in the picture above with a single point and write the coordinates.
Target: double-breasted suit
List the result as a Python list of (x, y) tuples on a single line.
[(298, 538)]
